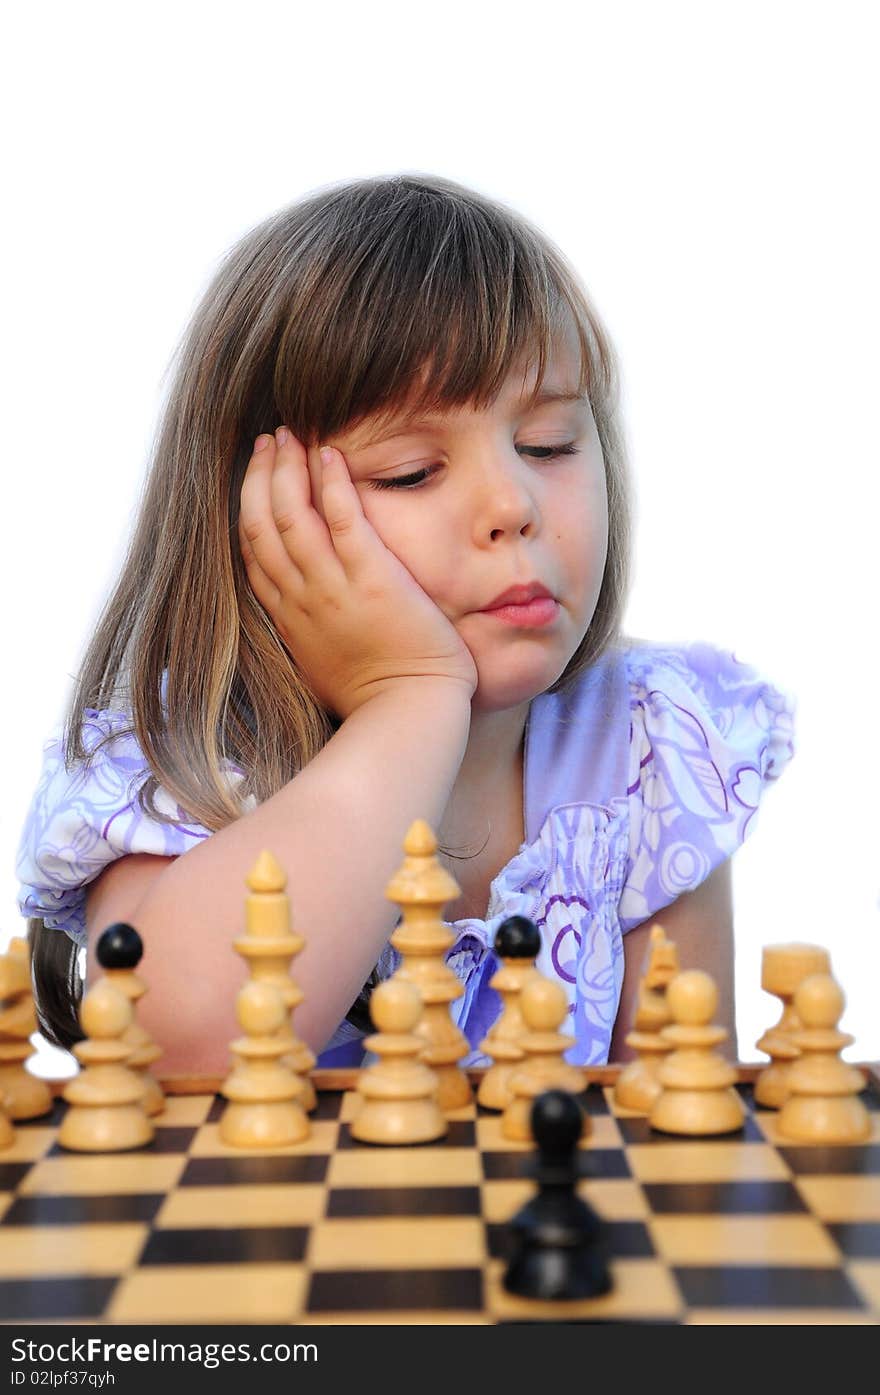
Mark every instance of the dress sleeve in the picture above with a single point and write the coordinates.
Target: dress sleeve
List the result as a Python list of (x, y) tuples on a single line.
[(708, 736), (82, 819)]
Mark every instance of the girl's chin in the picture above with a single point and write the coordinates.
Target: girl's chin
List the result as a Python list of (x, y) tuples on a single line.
[(496, 695)]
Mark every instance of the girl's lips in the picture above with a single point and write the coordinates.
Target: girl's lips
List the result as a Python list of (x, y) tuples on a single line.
[(532, 616)]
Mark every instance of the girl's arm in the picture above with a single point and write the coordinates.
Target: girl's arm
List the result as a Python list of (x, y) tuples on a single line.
[(337, 830), (700, 922)]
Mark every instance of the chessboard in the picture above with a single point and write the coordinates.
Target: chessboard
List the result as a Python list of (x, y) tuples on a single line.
[(744, 1228)]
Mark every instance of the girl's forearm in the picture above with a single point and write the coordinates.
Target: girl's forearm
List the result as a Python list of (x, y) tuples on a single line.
[(337, 830)]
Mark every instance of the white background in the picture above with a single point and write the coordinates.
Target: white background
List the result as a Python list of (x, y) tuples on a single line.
[(711, 172)]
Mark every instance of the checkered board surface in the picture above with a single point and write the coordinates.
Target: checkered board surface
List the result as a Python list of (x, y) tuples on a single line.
[(742, 1228)]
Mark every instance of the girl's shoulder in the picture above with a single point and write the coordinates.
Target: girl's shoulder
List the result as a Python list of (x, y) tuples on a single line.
[(647, 711), (84, 814), (699, 700), (709, 735)]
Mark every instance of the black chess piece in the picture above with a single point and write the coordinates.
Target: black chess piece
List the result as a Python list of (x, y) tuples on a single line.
[(517, 937), (119, 947), (559, 1247)]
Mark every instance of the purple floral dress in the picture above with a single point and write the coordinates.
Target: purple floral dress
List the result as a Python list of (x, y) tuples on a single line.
[(638, 782)]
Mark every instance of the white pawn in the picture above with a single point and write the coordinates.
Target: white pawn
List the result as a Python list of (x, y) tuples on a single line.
[(106, 1113), (544, 1007), (400, 1091), (263, 1093), (698, 1096), (823, 1104), (7, 1132), (22, 1095), (119, 951), (638, 1086)]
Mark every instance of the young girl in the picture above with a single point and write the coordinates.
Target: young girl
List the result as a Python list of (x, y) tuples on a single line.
[(379, 574)]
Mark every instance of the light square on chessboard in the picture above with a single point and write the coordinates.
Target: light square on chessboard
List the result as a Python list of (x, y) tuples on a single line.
[(32, 1251), (742, 1239), (28, 1144), (184, 1110), (261, 1205), (842, 1198), (103, 1174), (642, 1289), (423, 1166), (234, 1293), (398, 1242), (694, 1161)]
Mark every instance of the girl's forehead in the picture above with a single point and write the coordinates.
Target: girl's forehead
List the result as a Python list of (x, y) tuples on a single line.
[(560, 383)]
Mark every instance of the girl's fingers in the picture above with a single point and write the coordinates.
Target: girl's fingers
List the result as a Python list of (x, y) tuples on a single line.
[(347, 525), (266, 592), (293, 508), (260, 541)]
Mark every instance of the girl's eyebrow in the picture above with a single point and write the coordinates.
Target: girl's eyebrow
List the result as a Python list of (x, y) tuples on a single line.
[(410, 422)]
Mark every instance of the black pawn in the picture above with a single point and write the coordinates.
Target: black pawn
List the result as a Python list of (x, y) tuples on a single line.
[(517, 937), (559, 1249), (119, 947)]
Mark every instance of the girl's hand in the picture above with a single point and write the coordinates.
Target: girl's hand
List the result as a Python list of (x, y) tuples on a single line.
[(351, 614)]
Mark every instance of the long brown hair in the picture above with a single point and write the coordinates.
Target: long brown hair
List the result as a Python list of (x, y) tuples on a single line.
[(325, 313)]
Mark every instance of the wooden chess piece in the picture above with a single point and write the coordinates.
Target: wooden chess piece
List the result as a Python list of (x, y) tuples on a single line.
[(7, 1132), (544, 1008), (119, 951), (638, 1086), (106, 1113), (400, 1104), (264, 1109), (269, 945), (783, 967), (22, 1095), (698, 1096), (517, 944), (559, 1245), (822, 1104), (421, 887)]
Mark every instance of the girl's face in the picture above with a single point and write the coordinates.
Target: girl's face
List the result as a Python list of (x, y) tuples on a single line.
[(473, 503)]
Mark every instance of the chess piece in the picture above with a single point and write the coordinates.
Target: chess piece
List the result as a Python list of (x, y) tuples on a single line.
[(400, 1104), (822, 1104), (783, 967), (421, 887), (517, 944), (264, 1109), (119, 950), (22, 1095), (7, 1132), (698, 1096), (544, 1008), (269, 945), (638, 1086), (559, 1247), (106, 1113)]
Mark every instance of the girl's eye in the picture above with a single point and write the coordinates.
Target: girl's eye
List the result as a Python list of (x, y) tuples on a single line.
[(421, 477)]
